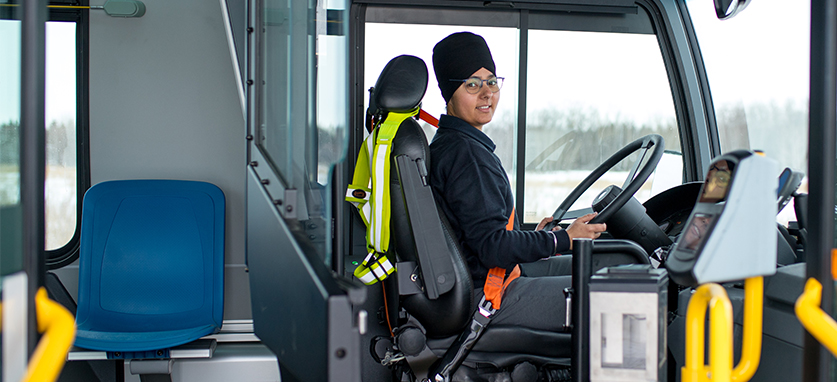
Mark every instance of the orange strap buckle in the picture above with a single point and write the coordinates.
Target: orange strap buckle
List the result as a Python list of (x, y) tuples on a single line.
[(495, 287)]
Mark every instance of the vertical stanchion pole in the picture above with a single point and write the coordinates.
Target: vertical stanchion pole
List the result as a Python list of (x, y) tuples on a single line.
[(32, 153), (582, 268), (821, 163)]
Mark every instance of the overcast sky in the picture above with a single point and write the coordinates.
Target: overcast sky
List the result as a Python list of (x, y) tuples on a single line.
[(60, 71)]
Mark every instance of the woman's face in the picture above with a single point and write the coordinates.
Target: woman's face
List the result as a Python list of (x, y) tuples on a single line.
[(476, 109)]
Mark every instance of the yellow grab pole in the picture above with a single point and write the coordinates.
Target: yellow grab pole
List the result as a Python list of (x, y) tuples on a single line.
[(59, 329), (720, 336), (817, 322), (751, 343)]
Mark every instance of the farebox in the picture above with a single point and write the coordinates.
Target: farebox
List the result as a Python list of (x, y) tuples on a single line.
[(731, 233)]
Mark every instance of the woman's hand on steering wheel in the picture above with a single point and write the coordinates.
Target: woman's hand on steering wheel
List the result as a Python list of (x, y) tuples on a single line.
[(545, 221), (578, 229), (581, 229)]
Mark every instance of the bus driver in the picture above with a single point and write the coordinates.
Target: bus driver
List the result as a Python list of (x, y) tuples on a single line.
[(471, 186)]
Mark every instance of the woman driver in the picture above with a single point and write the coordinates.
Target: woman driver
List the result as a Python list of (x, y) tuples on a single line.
[(472, 188)]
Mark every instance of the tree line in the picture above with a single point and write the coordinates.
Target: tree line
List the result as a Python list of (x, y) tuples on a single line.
[(59, 151)]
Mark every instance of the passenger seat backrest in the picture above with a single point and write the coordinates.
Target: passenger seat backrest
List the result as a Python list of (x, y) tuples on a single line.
[(151, 268), (400, 88)]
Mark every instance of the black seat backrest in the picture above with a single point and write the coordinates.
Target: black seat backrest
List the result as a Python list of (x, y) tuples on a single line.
[(449, 313), (400, 88)]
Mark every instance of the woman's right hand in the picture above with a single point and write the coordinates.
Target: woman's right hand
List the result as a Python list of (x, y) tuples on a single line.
[(580, 229)]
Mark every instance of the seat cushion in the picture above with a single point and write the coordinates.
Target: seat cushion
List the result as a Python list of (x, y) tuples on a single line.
[(503, 339), (139, 341)]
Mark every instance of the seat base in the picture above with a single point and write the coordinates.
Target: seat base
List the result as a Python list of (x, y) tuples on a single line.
[(202, 348), (501, 339), (500, 347)]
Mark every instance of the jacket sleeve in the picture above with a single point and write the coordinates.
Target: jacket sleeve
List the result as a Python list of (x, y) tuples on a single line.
[(478, 194)]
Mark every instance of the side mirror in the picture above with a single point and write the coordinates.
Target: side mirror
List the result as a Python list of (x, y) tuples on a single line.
[(725, 9)]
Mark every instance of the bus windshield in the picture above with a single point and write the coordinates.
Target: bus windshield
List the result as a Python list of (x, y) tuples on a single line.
[(757, 65)]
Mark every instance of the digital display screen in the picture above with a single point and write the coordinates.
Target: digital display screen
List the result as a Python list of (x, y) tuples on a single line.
[(698, 228), (718, 181)]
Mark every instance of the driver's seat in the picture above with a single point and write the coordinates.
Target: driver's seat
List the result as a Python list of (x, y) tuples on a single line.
[(433, 283)]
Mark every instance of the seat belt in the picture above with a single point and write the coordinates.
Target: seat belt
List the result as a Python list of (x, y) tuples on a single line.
[(495, 287), (369, 193)]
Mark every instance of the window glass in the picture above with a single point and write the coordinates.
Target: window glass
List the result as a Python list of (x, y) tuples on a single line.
[(274, 133), (61, 110), (10, 251), (588, 95), (332, 93), (385, 41), (303, 109), (758, 72)]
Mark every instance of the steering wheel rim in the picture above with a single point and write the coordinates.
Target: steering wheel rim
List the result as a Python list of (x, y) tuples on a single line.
[(652, 140)]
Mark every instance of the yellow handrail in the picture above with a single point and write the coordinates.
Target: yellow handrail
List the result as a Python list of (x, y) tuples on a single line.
[(59, 330), (720, 336), (751, 343), (720, 314), (817, 322)]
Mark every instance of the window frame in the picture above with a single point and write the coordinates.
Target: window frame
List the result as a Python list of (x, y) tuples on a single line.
[(675, 71), (68, 253)]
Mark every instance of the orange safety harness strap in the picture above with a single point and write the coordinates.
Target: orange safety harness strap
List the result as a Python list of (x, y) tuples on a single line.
[(426, 117), (495, 287)]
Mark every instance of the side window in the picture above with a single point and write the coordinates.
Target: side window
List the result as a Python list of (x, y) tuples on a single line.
[(64, 112), (590, 94), (11, 259), (591, 83), (62, 198)]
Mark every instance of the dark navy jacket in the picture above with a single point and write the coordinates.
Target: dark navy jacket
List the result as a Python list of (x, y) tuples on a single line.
[(471, 187)]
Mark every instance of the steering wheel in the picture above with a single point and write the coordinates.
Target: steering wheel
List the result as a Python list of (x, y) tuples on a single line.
[(632, 183)]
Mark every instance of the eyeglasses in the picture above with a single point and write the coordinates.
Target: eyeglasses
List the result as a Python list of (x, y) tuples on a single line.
[(716, 168), (474, 84)]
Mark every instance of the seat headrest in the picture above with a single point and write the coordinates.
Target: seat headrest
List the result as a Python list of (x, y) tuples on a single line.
[(401, 85)]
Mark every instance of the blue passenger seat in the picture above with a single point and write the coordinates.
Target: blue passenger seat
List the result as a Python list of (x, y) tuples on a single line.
[(151, 266)]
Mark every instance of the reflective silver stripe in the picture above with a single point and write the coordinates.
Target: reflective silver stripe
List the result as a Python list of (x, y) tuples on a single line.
[(365, 212), (368, 278), (368, 257), (377, 272), (378, 191), (382, 273)]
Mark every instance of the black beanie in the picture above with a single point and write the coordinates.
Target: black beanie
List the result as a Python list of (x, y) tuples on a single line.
[(457, 57)]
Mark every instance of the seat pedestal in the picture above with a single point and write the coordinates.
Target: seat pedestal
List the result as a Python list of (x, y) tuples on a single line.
[(153, 370)]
